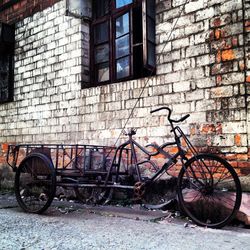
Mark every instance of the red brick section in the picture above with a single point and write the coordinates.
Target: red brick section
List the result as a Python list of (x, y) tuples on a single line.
[(226, 45), (22, 9)]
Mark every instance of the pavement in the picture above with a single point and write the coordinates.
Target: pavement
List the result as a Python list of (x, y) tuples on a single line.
[(68, 225)]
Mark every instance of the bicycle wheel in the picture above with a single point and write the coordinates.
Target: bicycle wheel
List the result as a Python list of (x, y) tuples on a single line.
[(35, 183), (209, 190)]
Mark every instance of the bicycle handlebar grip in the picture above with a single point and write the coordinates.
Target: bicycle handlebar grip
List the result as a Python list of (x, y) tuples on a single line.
[(184, 118)]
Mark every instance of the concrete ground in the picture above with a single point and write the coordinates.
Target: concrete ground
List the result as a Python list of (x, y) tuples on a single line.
[(74, 226)]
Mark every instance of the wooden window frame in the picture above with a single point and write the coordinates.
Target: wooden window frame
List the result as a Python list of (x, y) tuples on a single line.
[(111, 17), (7, 41)]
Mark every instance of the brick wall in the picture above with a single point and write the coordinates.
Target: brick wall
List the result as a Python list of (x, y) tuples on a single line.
[(203, 70), (14, 11)]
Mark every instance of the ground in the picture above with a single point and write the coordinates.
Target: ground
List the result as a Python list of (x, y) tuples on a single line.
[(74, 226)]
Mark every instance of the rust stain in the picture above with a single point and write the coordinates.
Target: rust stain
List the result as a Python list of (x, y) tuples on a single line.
[(227, 55)]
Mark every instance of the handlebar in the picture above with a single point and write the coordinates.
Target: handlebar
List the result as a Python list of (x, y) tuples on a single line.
[(169, 115)]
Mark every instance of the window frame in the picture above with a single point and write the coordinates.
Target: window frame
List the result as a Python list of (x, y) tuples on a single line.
[(110, 17), (7, 41)]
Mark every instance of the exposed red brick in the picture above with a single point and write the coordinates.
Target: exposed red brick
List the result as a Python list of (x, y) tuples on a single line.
[(243, 164), (218, 79), (248, 79), (247, 23), (237, 140), (24, 9), (242, 66), (234, 41), (242, 157), (217, 22), (217, 34), (227, 55), (218, 128), (4, 147), (218, 57)]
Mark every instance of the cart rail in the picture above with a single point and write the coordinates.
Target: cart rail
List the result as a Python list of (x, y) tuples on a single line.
[(65, 157)]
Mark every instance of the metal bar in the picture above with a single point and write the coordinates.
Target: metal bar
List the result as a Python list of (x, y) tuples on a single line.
[(57, 156), (94, 185)]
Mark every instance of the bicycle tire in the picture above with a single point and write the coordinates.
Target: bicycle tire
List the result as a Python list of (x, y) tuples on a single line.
[(35, 183), (209, 191)]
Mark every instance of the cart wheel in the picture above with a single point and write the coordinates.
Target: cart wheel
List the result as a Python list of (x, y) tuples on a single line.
[(35, 183), (93, 195)]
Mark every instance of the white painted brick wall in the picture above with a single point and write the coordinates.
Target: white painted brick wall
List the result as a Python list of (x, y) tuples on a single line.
[(50, 105)]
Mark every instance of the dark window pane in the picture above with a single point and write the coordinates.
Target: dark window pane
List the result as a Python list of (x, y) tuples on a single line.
[(151, 54), (122, 46), (4, 77), (122, 25), (121, 3), (151, 30), (103, 72), (137, 25), (102, 53), (101, 8), (101, 33), (122, 67), (151, 8)]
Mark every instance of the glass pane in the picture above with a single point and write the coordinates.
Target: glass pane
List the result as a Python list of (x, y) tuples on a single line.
[(102, 53), (101, 8), (122, 46), (121, 3), (101, 33), (122, 67), (122, 25), (151, 30), (103, 72), (4, 78), (151, 8), (151, 54)]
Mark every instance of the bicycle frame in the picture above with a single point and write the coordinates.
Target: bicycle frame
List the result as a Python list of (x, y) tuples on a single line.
[(172, 159)]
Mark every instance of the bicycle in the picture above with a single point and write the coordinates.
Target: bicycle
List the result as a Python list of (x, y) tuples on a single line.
[(208, 188)]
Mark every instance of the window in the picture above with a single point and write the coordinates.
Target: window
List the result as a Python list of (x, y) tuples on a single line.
[(122, 40), (6, 62)]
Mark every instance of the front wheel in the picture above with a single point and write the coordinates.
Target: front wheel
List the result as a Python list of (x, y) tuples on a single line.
[(209, 190)]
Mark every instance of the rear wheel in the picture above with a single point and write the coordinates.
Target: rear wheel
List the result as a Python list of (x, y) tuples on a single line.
[(209, 190), (35, 183)]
